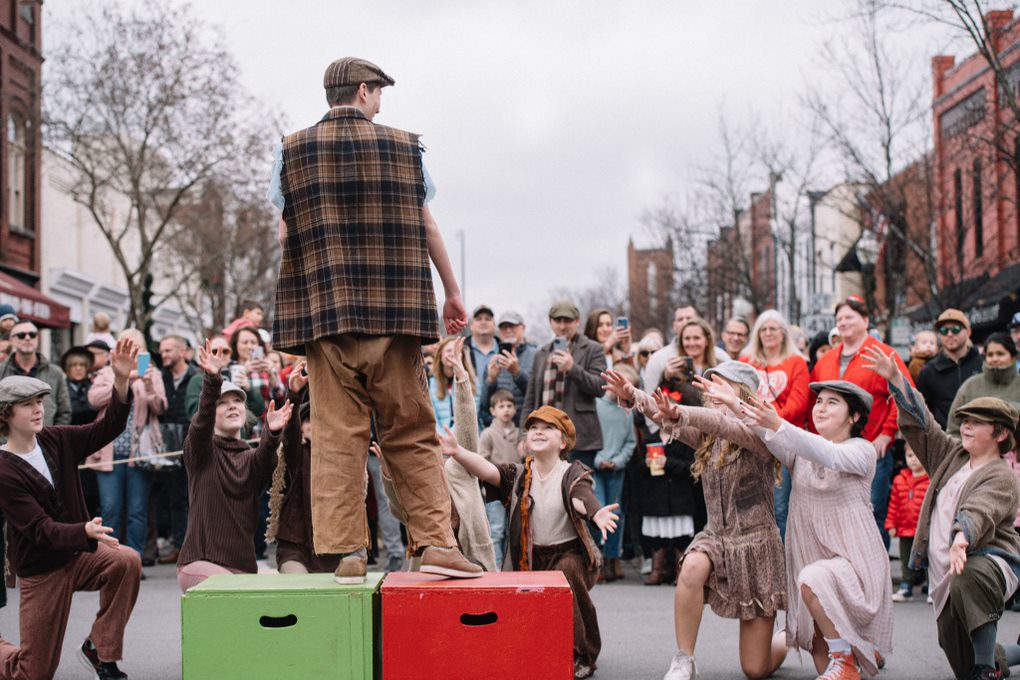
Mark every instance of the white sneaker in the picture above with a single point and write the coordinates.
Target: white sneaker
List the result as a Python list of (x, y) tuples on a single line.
[(646, 566), (682, 668)]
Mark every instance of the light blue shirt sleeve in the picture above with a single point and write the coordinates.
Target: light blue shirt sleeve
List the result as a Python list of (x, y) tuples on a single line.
[(274, 194)]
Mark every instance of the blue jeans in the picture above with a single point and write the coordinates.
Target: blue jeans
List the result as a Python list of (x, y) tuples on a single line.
[(608, 489), (129, 486), (782, 502), (881, 485), (496, 514)]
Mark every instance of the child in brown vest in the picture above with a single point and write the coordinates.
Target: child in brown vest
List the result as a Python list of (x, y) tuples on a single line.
[(550, 503)]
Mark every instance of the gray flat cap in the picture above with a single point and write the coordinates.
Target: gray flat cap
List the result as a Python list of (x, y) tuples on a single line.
[(18, 388), (844, 387), (511, 318), (228, 387), (736, 371)]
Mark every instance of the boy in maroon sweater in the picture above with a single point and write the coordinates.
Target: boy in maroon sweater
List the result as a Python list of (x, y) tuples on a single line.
[(54, 547)]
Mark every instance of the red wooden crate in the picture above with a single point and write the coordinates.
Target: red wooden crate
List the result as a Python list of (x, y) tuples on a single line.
[(502, 625)]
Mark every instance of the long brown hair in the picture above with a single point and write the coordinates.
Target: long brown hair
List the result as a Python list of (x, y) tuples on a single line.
[(704, 453), (442, 382), (710, 359)]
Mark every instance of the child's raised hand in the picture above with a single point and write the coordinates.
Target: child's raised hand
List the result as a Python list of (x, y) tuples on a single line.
[(605, 519), (457, 360), (209, 362), (669, 410), (883, 364), (618, 385), (448, 444), (718, 388), (762, 415), (276, 420)]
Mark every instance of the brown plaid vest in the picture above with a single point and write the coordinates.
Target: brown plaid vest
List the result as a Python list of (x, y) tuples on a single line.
[(355, 259)]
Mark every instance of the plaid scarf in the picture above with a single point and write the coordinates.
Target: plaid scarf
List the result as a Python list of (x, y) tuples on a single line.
[(554, 381)]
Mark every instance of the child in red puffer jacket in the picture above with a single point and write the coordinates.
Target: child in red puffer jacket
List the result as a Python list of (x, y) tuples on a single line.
[(908, 491)]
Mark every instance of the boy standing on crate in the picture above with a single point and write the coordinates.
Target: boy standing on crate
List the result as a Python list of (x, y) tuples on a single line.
[(550, 502), (56, 548)]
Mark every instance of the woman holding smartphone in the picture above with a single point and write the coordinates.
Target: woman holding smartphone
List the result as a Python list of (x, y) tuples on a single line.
[(614, 336), (122, 483), (249, 353)]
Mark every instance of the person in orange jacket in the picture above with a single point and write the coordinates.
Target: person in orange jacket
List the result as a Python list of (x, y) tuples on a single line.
[(908, 491)]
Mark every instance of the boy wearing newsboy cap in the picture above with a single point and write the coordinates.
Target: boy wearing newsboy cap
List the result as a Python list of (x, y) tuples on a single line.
[(55, 548)]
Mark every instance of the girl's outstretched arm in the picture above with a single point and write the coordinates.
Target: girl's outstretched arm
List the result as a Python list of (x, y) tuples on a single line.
[(472, 462)]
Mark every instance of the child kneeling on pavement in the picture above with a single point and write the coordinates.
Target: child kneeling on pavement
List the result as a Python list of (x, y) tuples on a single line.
[(550, 502), (54, 547), (225, 478), (965, 530)]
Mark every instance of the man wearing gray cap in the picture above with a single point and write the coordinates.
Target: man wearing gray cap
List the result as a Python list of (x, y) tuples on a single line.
[(354, 295), (511, 369)]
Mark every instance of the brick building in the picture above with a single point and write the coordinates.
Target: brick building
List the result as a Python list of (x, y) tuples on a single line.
[(741, 264), (650, 273), (977, 186), (20, 163)]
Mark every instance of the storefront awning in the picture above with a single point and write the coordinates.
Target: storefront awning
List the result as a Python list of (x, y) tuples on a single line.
[(31, 305)]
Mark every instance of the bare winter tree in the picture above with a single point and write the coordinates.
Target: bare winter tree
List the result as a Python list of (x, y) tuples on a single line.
[(609, 291), (874, 108), (146, 105)]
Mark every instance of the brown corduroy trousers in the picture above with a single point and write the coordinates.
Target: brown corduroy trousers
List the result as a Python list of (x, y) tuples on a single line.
[(352, 376), (569, 558), (46, 604)]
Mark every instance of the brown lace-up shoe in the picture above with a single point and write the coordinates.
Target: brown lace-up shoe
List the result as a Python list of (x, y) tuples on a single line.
[(448, 562)]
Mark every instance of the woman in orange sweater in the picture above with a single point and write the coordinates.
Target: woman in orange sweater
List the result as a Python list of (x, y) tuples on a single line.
[(783, 379), (905, 501)]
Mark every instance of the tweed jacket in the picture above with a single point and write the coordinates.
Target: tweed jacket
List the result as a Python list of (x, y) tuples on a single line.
[(582, 388), (989, 498), (355, 257)]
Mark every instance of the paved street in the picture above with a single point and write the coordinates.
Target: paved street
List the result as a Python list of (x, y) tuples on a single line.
[(637, 625)]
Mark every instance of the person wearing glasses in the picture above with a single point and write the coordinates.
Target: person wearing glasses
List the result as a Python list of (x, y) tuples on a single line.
[(26, 360), (735, 335), (958, 360)]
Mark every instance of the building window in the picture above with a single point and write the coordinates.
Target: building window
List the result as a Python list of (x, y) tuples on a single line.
[(27, 12), (958, 209), (979, 213), (16, 172)]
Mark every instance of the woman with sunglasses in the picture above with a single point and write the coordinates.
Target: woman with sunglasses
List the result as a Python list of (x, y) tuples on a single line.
[(998, 378), (783, 379)]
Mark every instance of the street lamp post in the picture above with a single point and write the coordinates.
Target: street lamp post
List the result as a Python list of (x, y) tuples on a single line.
[(867, 254)]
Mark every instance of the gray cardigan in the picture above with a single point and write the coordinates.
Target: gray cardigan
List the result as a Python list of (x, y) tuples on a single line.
[(989, 498)]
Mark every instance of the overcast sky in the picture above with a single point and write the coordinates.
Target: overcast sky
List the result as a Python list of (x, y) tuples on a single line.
[(550, 126)]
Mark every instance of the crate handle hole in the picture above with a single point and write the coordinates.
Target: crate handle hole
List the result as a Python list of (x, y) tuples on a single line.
[(486, 619), (278, 621)]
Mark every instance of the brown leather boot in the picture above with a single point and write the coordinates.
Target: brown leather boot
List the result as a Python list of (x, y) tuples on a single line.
[(616, 567), (658, 575), (606, 575)]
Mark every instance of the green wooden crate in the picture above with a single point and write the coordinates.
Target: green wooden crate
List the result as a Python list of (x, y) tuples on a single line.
[(280, 626)]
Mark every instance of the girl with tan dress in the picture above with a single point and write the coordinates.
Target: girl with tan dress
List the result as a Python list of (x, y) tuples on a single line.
[(839, 589), (736, 563)]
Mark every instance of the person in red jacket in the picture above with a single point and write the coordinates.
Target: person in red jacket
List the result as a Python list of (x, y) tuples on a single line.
[(908, 491), (847, 361)]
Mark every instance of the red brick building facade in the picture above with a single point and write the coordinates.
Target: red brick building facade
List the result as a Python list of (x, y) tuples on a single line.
[(741, 264), (21, 146), (650, 273), (977, 155)]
